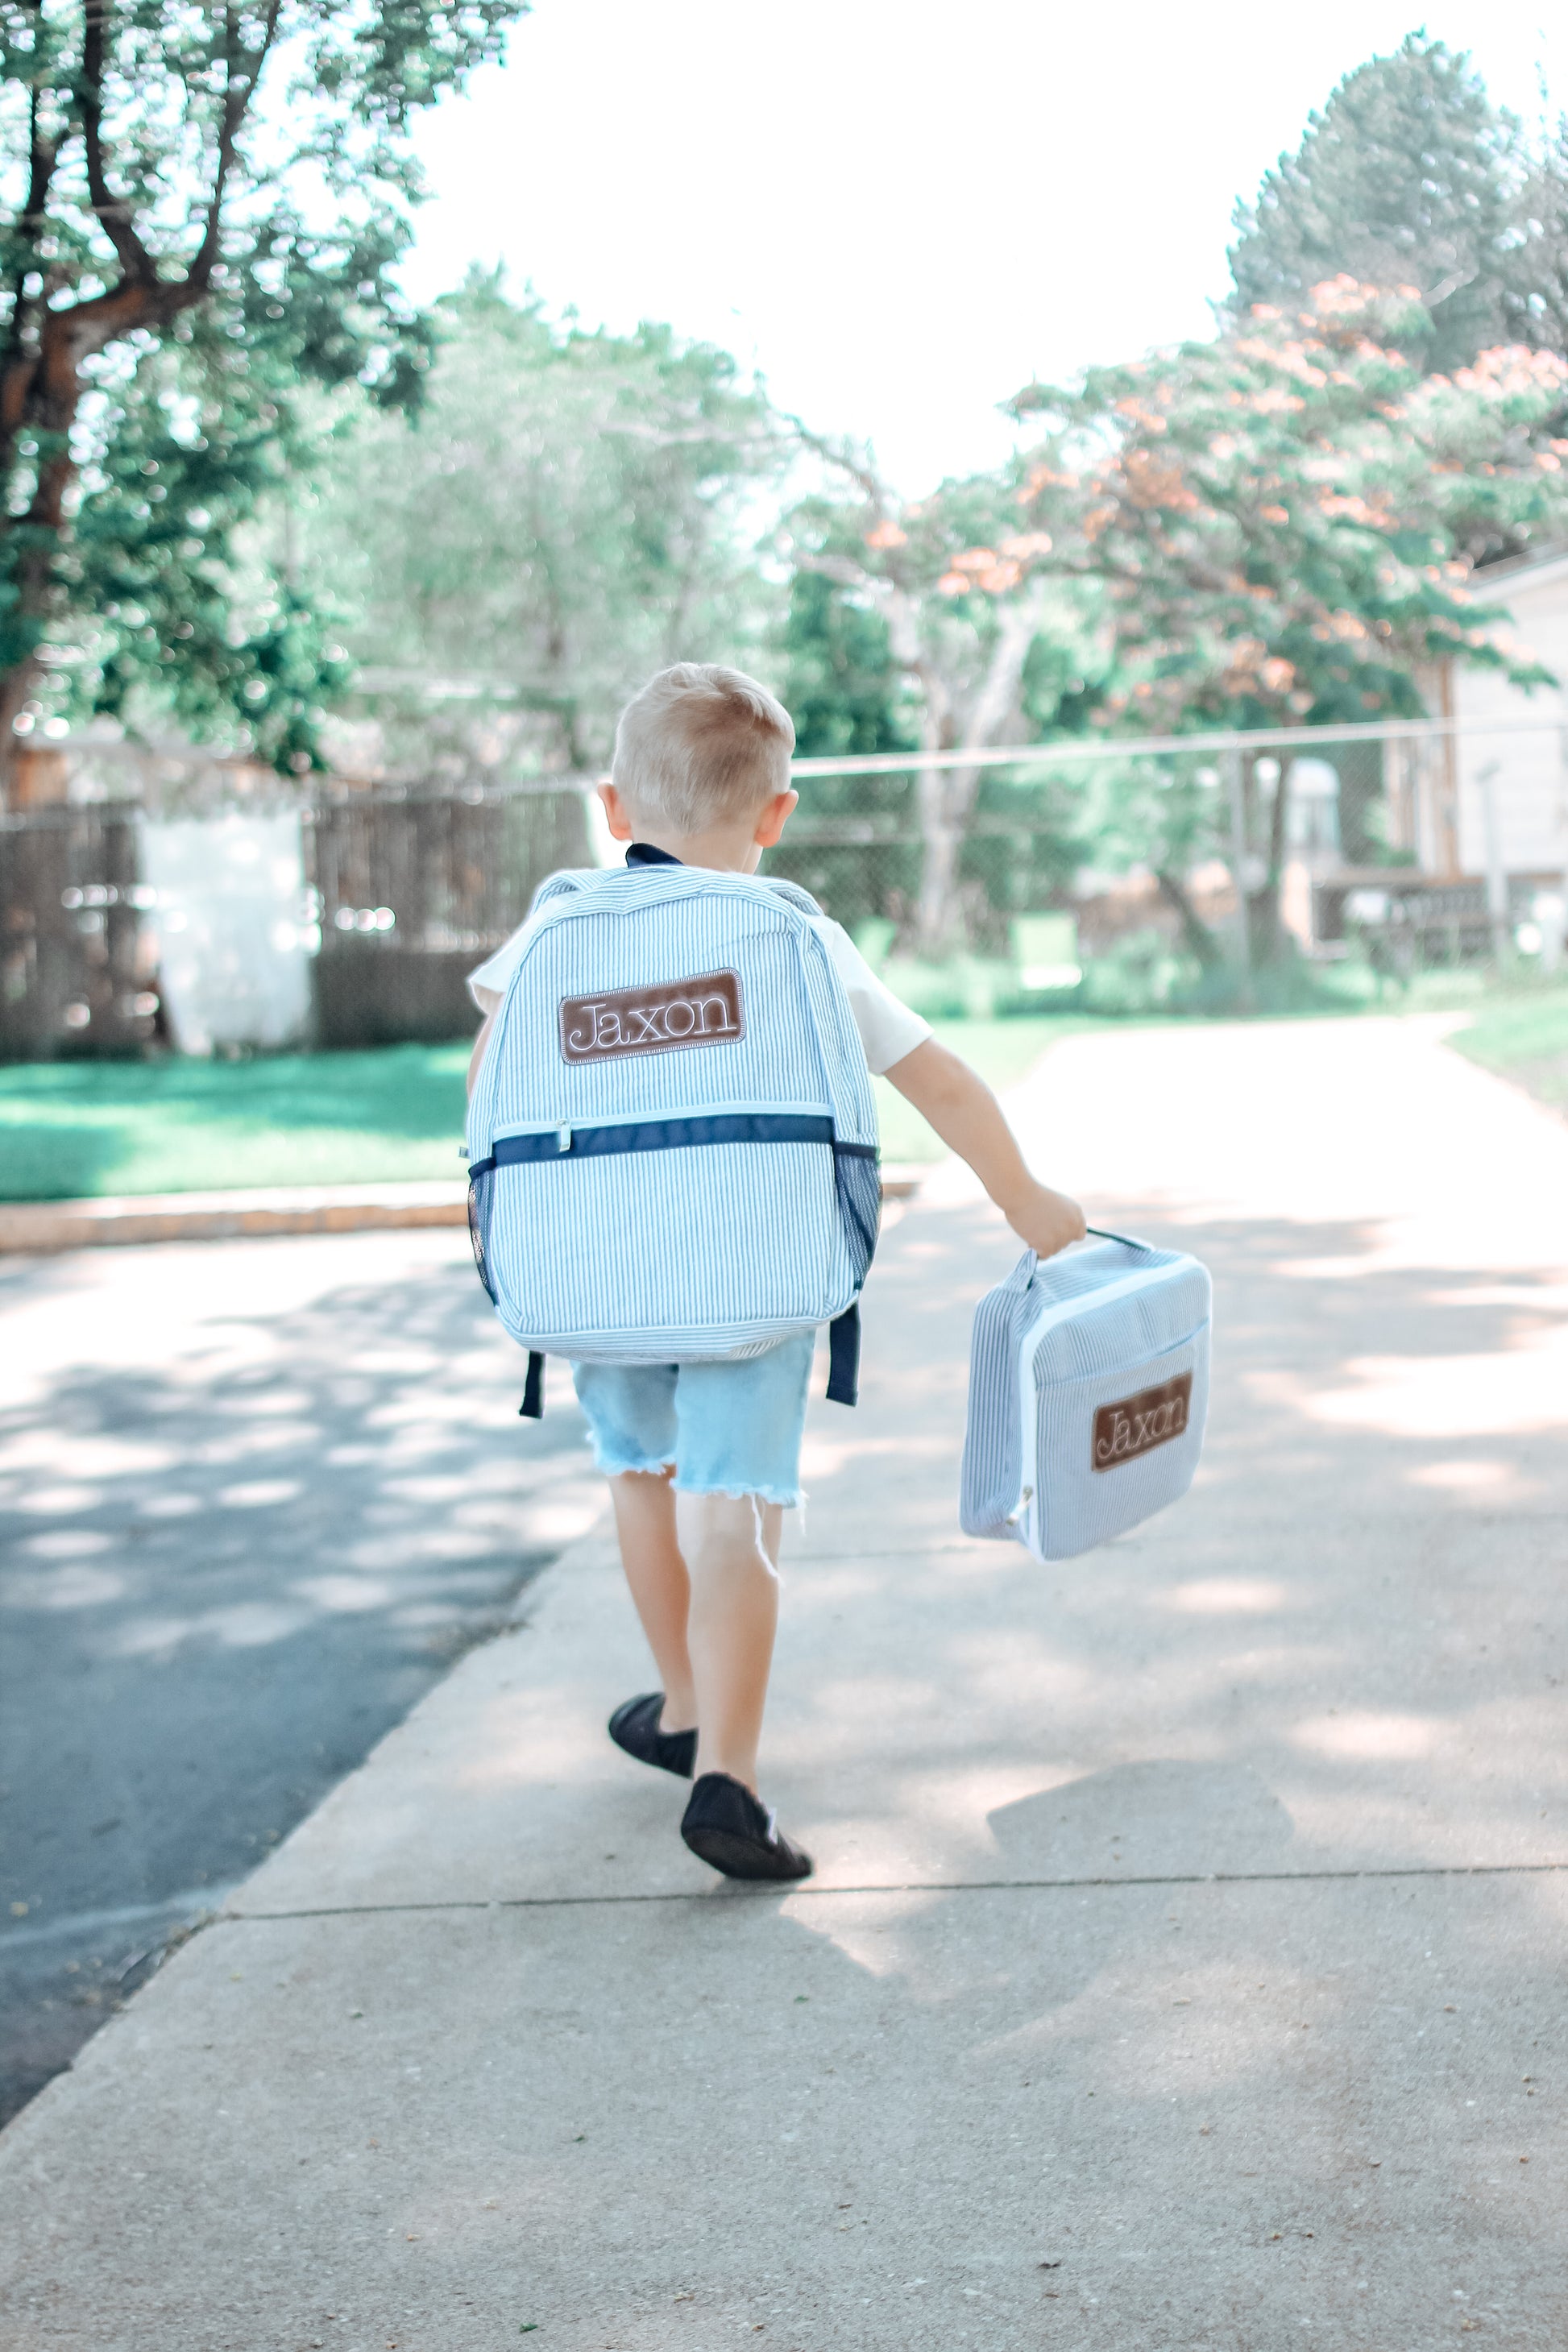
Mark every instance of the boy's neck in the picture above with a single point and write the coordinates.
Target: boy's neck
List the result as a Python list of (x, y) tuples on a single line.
[(725, 848)]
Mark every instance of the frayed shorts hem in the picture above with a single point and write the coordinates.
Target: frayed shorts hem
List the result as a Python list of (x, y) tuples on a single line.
[(616, 1466), (742, 1493), (611, 1468), (729, 1427)]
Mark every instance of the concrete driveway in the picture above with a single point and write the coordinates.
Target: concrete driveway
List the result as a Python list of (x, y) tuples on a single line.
[(1184, 1968)]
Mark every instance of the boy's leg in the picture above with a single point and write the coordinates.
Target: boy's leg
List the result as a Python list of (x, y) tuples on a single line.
[(730, 1548), (630, 1410), (738, 1456), (650, 1555)]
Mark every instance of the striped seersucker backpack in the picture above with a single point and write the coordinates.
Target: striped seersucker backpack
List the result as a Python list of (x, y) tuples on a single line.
[(672, 1138)]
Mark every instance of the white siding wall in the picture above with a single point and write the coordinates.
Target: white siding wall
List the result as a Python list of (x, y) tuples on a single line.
[(1530, 782)]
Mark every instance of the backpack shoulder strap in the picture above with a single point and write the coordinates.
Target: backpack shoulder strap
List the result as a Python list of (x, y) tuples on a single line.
[(790, 892), (565, 885)]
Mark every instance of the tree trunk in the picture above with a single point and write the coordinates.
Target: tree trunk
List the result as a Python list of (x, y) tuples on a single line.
[(947, 796), (1196, 936), (40, 392), (1267, 931), (903, 613)]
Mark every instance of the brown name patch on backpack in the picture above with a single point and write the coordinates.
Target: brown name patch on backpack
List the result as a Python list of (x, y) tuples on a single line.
[(705, 1012), (1122, 1432)]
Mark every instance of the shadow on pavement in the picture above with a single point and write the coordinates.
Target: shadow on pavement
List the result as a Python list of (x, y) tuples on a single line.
[(229, 1571)]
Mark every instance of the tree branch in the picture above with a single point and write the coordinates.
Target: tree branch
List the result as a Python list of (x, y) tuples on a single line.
[(841, 568), (40, 172), (242, 72), (841, 454), (41, 169), (113, 216), (1197, 935)]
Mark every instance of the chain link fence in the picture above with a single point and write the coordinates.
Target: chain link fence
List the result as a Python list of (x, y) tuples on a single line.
[(206, 908)]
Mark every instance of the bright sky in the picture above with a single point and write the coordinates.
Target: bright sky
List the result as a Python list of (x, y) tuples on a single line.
[(899, 211)]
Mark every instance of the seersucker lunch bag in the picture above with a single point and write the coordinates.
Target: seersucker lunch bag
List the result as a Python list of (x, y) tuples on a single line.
[(1089, 1378), (672, 1136)]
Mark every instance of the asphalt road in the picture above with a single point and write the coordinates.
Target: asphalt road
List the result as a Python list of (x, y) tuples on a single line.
[(254, 1497)]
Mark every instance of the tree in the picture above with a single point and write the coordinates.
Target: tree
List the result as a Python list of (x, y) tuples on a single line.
[(568, 513), (1535, 292), (180, 257), (848, 697), (1284, 521), (843, 687), (1408, 179), (961, 592)]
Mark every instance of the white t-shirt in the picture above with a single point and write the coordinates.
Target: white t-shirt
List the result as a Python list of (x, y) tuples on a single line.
[(888, 1030)]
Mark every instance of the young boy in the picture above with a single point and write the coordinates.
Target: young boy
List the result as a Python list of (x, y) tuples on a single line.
[(704, 1459)]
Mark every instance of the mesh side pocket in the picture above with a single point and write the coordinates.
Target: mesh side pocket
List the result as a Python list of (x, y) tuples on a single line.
[(481, 1200), (859, 1186)]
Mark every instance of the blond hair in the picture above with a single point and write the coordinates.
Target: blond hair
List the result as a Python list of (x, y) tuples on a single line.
[(702, 743)]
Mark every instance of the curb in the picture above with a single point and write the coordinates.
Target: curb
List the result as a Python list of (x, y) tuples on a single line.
[(46, 1227)]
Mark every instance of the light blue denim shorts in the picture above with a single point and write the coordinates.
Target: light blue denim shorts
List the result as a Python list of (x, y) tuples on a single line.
[(729, 1428)]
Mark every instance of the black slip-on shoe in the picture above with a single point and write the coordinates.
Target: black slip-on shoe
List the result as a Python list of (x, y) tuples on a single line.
[(728, 1828), (635, 1727)]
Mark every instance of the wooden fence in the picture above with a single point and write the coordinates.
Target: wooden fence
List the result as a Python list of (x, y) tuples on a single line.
[(411, 891)]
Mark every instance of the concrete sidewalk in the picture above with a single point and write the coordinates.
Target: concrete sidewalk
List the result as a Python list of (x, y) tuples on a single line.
[(1183, 1965)]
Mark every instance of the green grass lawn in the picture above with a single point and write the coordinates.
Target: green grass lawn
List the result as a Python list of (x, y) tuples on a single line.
[(1523, 1035), (71, 1129)]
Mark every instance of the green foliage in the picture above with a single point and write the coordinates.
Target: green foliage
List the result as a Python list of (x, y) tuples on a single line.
[(848, 697), (1066, 674), (1137, 977), (170, 612), (567, 513), (1535, 293), (184, 275), (1284, 521), (1169, 814), (1406, 180), (936, 575), (842, 686), (984, 649)]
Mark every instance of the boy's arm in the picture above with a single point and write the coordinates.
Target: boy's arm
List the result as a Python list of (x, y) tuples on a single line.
[(968, 1117), (490, 1004)]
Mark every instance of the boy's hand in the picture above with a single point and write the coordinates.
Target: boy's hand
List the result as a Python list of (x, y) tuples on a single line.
[(1047, 1221)]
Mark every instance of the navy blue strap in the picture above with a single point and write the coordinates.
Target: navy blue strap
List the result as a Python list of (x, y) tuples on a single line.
[(532, 1405), (667, 1134), (844, 1356)]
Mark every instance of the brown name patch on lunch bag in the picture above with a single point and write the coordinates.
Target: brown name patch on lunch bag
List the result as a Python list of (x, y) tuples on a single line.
[(1122, 1432), (703, 1012)]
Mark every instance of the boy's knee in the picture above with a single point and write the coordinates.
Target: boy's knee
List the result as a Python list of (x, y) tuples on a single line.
[(725, 1531)]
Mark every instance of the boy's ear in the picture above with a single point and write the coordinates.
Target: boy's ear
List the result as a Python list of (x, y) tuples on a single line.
[(776, 814), (619, 822)]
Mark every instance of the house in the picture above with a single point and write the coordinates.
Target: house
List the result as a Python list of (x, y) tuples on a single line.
[(1480, 812), (1508, 771)]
